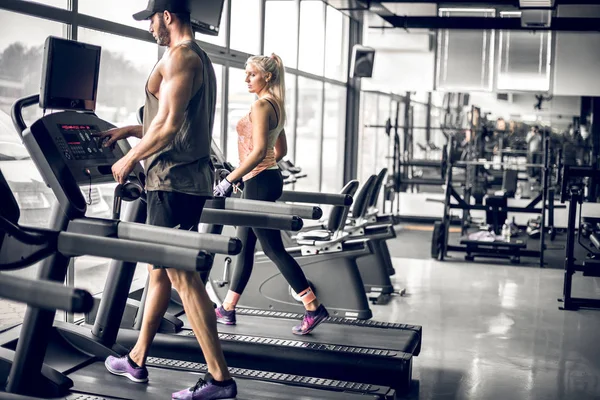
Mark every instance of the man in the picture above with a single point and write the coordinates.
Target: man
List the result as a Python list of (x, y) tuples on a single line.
[(175, 145)]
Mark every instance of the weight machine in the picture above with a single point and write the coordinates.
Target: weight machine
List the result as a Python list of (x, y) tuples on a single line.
[(496, 209), (573, 190)]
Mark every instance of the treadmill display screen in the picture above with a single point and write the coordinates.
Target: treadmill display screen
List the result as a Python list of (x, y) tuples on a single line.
[(79, 143)]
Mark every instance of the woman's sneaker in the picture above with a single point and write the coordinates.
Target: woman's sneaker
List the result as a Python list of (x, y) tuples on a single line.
[(123, 366), (225, 317), (311, 320), (208, 389)]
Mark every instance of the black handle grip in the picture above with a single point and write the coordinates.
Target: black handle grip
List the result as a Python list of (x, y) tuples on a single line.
[(16, 111)]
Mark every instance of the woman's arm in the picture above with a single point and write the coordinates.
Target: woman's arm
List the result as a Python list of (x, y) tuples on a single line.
[(281, 146), (260, 132)]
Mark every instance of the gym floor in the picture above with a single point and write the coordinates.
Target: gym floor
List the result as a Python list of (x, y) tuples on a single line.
[(493, 331)]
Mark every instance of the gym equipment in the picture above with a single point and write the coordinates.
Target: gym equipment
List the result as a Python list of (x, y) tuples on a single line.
[(74, 360), (572, 189), (374, 268), (495, 209)]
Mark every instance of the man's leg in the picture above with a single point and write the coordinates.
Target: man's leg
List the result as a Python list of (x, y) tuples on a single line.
[(201, 315), (160, 213), (157, 302)]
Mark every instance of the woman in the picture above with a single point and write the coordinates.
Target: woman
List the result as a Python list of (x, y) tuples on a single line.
[(261, 143)]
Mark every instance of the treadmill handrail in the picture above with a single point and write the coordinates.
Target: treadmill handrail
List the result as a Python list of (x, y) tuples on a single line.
[(253, 219), (177, 237), (45, 294), (332, 199), (75, 244), (16, 111), (268, 207)]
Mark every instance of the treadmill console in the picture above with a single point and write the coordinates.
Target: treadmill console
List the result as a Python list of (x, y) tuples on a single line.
[(78, 142), (68, 143)]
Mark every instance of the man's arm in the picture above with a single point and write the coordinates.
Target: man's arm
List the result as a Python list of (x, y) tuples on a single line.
[(281, 146), (175, 93)]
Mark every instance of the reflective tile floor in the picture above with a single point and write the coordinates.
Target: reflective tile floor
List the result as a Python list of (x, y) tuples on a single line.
[(495, 332)]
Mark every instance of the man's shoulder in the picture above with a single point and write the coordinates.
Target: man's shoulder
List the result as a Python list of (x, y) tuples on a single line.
[(182, 56)]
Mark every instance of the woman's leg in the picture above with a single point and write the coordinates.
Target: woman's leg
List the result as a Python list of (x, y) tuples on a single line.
[(242, 268), (272, 245)]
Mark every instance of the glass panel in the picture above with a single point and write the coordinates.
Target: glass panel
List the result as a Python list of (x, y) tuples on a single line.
[(219, 40), (382, 140), (419, 131), (245, 25), (290, 109), (20, 73), (116, 11), (524, 59), (312, 36), (125, 65), (334, 127), (366, 139), (465, 58), (53, 3), (217, 134), (238, 105), (281, 30), (308, 132), (336, 50)]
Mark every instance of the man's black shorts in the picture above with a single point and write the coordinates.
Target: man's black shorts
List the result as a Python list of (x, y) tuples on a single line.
[(174, 210)]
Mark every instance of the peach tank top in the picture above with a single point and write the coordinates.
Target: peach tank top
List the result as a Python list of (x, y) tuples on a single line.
[(245, 145)]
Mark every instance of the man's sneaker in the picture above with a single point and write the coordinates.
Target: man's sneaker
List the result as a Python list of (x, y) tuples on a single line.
[(208, 389), (311, 320), (123, 366), (225, 317)]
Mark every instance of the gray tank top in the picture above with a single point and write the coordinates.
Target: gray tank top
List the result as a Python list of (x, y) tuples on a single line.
[(184, 165)]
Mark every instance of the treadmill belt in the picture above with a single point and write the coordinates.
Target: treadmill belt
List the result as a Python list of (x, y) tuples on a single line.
[(331, 320), (94, 379), (406, 341)]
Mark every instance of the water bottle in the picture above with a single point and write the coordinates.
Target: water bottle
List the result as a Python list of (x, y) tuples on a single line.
[(506, 231)]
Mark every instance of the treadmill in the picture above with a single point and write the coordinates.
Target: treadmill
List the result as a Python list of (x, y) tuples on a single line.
[(374, 352), (48, 358), (15, 245)]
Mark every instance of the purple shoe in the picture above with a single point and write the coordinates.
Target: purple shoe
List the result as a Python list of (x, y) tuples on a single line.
[(122, 366), (225, 317), (208, 389), (311, 320)]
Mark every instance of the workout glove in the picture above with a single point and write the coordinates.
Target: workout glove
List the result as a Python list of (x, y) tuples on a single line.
[(223, 189)]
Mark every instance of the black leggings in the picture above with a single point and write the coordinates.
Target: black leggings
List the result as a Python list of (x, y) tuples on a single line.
[(266, 186)]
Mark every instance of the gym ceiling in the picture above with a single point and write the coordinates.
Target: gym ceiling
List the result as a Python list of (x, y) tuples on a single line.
[(554, 15)]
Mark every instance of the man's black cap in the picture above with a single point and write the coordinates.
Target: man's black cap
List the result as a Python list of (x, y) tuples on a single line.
[(154, 6)]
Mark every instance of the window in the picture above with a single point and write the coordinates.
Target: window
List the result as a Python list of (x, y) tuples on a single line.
[(245, 25), (366, 140), (116, 11), (219, 40), (381, 139), (20, 74), (312, 36), (336, 42), (308, 132), (290, 110), (465, 58), (524, 59), (125, 65), (281, 30), (217, 134), (239, 104), (334, 127)]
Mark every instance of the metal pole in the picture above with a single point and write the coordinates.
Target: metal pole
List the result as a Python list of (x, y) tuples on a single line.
[(545, 172)]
